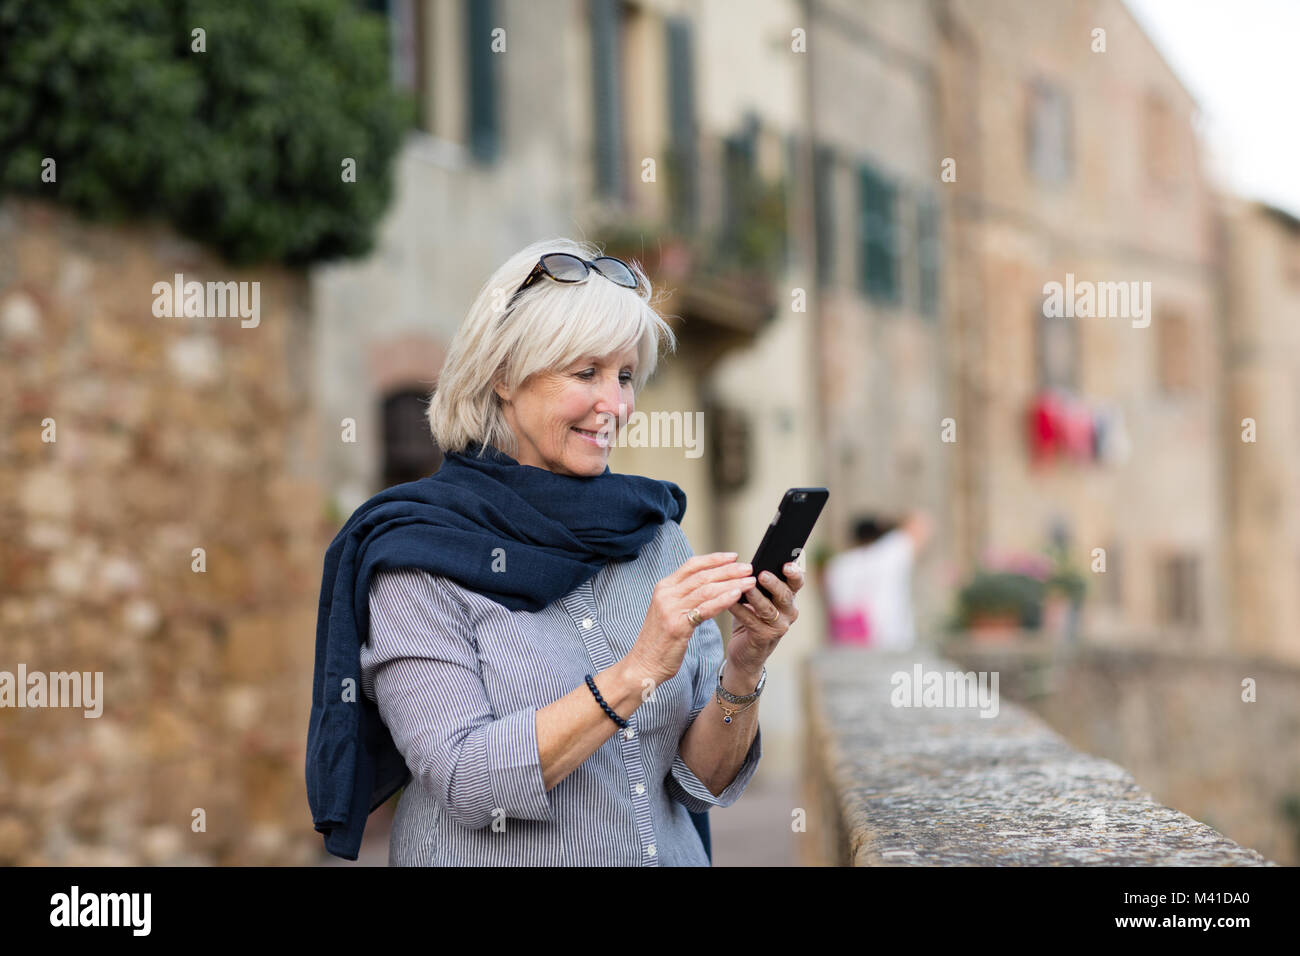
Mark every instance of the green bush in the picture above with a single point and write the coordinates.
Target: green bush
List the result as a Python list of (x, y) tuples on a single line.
[(240, 146)]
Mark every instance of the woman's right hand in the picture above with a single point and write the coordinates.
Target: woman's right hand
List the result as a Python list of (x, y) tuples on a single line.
[(710, 582)]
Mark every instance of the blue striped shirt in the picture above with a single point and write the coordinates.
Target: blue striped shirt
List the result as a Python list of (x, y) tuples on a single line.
[(458, 680)]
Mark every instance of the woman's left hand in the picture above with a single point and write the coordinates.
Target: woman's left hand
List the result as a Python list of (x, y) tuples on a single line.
[(761, 623)]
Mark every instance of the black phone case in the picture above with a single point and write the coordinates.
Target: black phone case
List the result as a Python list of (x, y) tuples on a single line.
[(788, 532)]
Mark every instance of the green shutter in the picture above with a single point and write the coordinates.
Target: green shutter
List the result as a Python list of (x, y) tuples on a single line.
[(684, 157), (483, 133), (878, 236), (740, 152), (929, 254), (824, 212), (607, 108)]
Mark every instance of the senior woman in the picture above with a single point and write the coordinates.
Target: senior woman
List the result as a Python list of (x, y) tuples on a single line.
[(531, 633)]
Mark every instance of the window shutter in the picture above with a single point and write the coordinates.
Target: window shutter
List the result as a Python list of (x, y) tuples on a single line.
[(1176, 341), (824, 212), (1050, 134), (1057, 350), (791, 176), (1179, 575), (681, 109), (878, 236), (928, 253), (483, 132), (607, 109), (740, 153)]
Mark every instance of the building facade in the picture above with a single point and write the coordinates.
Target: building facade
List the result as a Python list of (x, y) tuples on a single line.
[(1085, 312), (861, 211), (1262, 309)]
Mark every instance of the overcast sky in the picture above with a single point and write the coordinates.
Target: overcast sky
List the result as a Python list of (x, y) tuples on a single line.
[(1241, 60)]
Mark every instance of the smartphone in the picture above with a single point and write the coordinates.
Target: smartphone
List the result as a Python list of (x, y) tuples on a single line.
[(788, 532)]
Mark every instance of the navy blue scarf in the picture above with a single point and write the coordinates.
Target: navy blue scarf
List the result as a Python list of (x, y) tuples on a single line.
[(558, 531)]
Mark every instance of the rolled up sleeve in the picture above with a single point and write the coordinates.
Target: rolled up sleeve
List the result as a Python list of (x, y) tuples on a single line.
[(430, 694), (690, 792), (705, 657)]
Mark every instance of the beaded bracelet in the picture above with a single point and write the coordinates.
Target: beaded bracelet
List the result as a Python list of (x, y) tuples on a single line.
[(601, 700)]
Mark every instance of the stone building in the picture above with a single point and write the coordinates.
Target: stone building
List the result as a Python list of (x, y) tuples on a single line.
[(1076, 164), (877, 312), (1261, 305)]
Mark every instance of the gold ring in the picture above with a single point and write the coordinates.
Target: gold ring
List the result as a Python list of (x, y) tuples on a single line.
[(693, 615), (773, 619)]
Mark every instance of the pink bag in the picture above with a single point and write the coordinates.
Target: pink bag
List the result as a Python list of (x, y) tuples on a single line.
[(851, 627)]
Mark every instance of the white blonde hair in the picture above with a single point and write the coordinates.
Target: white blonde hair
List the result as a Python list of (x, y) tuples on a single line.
[(552, 325)]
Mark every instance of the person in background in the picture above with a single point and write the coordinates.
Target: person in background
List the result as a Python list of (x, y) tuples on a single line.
[(869, 587)]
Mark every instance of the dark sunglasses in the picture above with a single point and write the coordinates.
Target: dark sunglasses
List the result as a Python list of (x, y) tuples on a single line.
[(565, 267)]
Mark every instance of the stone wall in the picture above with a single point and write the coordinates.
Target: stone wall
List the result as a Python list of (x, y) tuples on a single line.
[(169, 434), (1177, 722), (891, 785)]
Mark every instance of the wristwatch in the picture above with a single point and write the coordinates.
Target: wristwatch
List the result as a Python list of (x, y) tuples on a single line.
[(747, 698)]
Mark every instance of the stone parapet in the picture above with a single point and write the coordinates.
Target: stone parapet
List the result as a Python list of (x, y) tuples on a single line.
[(945, 786)]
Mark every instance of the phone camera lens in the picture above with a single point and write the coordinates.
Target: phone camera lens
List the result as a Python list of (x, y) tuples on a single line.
[(800, 497)]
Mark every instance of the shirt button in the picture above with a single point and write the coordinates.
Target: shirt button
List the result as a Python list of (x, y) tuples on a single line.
[(586, 623), (629, 733), (651, 849), (640, 788)]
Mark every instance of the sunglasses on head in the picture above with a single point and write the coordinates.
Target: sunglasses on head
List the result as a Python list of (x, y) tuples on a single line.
[(566, 267)]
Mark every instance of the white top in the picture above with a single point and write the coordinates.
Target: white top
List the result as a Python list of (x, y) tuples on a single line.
[(877, 579)]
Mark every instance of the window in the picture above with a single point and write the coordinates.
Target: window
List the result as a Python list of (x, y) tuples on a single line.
[(407, 61), (1159, 140), (441, 53), (683, 175), (1057, 351), (606, 81), (928, 253), (1178, 592), (877, 236), (1111, 591), (1176, 352), (1050, 138), (824, 212), (407, 57), (409, 450), (731, 447), (753, 228), (739, 158)]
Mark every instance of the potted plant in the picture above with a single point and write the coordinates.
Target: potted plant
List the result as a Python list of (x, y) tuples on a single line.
[(995, 604)]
